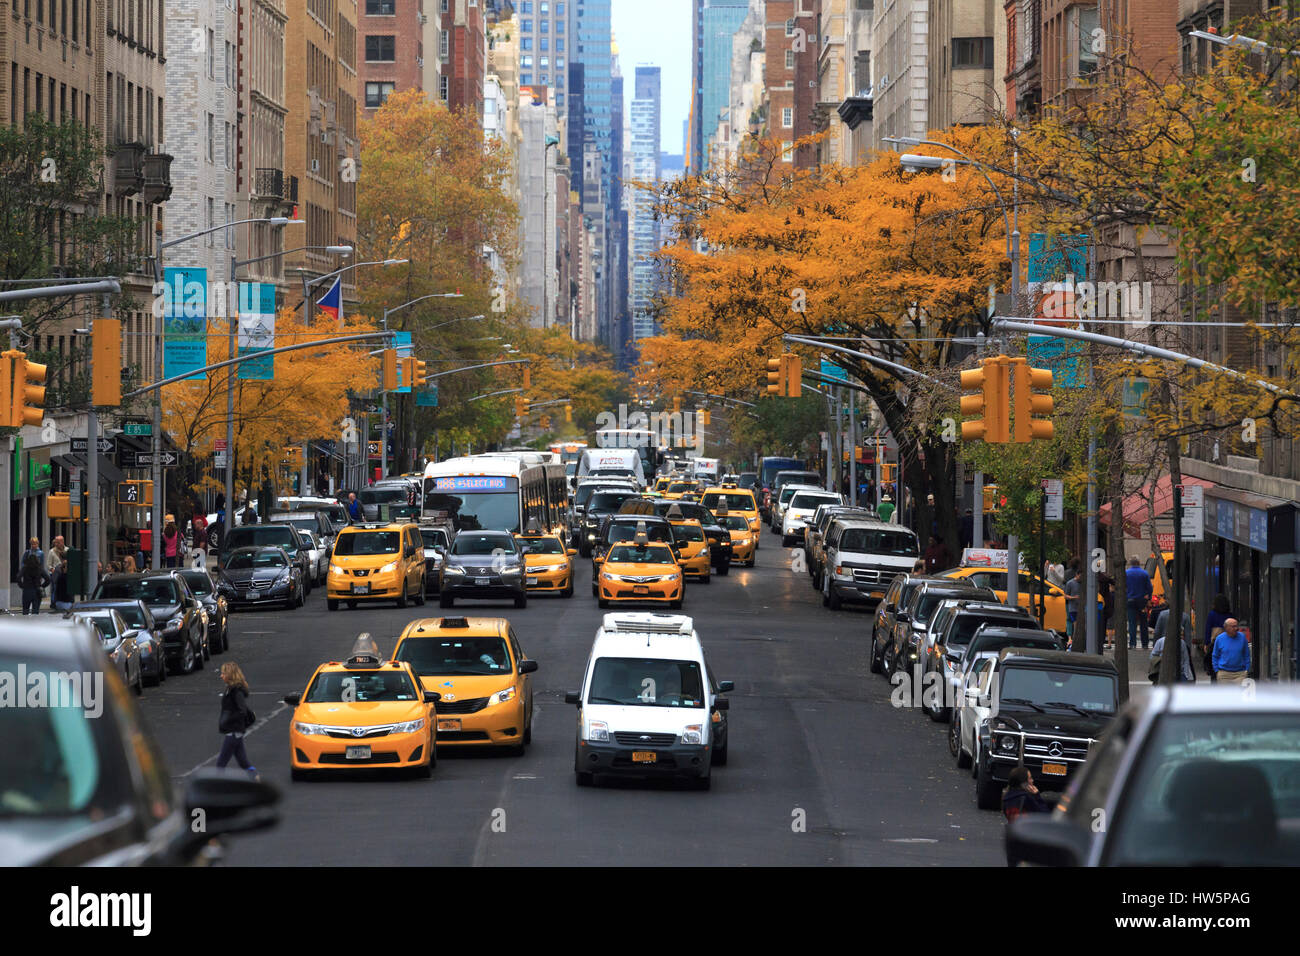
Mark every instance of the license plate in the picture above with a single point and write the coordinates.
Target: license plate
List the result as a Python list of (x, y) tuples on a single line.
[(482, 582), (254, 597), (448, 724), (644, 756), (1057, 769), (532, 581), (361, 589), (357, 753), (641, 589)]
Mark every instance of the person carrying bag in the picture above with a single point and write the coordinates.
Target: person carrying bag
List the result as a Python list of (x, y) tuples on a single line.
[(235, 720)]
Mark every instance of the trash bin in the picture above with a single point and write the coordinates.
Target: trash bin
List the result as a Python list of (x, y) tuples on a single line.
[(76, 572)]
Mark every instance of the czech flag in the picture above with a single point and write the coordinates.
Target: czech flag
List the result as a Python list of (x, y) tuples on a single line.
[(331, 302)]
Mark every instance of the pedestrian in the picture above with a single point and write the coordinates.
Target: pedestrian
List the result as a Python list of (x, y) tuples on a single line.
[(32, 577), (1186, 673), (1139, 590), (1073, 583), (1106, 590), (1231, 657), (236, 718), (1220, 611), (885, 509), (60, 591), (1054, 573), (1021, 796), (968, 528), (129, 566), (937, 556), (56, 564), (354, 506), (200, 525), (171, 544)]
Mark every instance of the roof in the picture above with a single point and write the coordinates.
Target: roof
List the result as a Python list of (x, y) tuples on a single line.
[(42, 636), (876, 523), (667, 636), (1034, 655), (377, 526), (473, 627), (1207, 699)]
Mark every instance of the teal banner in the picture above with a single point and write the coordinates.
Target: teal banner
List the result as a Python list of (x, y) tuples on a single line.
[(185, 321), (257, 329)]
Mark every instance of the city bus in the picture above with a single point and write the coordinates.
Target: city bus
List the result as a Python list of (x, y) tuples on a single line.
[(496, 492)]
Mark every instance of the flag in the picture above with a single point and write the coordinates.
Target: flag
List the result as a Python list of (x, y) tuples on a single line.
[(332, 301)]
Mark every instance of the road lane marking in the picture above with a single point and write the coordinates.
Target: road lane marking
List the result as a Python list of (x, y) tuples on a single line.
[(248, 733), (481, 846)]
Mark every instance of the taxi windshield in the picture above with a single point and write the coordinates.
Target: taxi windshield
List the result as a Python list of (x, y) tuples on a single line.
[(688, 532), (681, 486), (735, 501), (541, 546), (734, 522), (367, 542), (469, 656), (356, 687), (621, 531), (633, 682), (639, 554)]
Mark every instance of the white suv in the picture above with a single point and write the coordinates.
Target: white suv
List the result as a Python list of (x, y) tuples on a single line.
[(649, 703), (797, 512)]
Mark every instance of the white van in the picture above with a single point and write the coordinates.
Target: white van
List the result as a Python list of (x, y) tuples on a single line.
[(649, 704), (705, 468), (612, 462)]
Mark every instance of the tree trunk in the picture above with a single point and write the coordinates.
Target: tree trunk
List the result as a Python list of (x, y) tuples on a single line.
[(1117, 564)]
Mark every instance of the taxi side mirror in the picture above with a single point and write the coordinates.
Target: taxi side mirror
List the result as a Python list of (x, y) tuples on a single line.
[(292, 699), (527, 666), (572, 551), (573, 697), (432, 697)]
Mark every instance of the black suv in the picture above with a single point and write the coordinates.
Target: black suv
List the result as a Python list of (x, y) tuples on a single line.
[(603, 502), (719, 537), (173, 606), (1048, 708)]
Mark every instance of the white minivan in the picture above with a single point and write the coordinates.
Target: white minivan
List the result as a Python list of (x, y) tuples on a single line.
[(649, 704)]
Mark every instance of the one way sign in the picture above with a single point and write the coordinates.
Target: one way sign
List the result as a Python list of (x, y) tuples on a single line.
[(169, 459), (106, 446)]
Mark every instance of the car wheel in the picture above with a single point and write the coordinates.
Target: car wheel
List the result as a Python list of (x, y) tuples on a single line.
[(425, 770), (833, 600), (876, 665), (162, 665), (676, 605), (720, 755), (988, 792), (187, 658), (975, 751), (707, 579), (817, 582), (585, 778), (401, 601), (568, 592), (419, 595), (352, 605), (528, 733), (723, 570), (446, 600), (139, 681), (954, 744), (601, 602), (206, 647), (890, 661), (702, 783), (332, 604), (521, 602), (298, 775)]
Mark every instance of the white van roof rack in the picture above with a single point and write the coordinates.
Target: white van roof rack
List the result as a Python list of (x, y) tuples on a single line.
[(648, 623)]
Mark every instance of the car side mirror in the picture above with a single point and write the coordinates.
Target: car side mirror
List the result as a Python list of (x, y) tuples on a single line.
[(231, 803), (1046, 842), (292, 699), (130, 635), (721, 703), (572, 551), (902, 617), (573, 697), (432, 697), (527, 666), (726, 686)]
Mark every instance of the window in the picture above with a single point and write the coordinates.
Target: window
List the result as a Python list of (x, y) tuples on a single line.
[(544, 62), (442, 88), (525, 79), (212, 139), (789, 59), (559, 65), (544, 44), (1085, 19), (543, 79), (444, 44), (381, 48), (526, 7), (559, 44), (525, 43), (376, 94), (789, 27), (212, 220), (212, 54), (380, 8), (544, 26), (526, 26), (787, 116), (972, 53), (526, 61)]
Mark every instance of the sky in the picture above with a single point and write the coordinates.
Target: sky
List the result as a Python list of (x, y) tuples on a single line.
[(657, 33)]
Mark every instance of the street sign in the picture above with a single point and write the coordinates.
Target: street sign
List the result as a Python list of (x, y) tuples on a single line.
[(106, 446), (74, 488), (219, 460), (137, 428), (169, 459), (427, 397), (1191, 519), (1054, 507), (220, 444), (372, 449)]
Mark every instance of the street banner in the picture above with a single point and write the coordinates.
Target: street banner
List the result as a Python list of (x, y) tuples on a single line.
[(257, 329), (1054, 506), (185, 321), (402, 342), (832, 371), (331, 302)]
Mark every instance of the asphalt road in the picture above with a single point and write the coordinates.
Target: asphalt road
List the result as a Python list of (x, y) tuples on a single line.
[(822, 769)]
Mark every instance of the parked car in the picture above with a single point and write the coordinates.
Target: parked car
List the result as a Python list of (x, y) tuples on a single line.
[(815, 536), (317, 522), (782, 498), (148, 635), (862, 556), (82, 791), (951, 634), (262, 576), (282, 535), (214, 605), (1185, 776), (118, 641), (910, 637), (802, 504), (335, 511), (173, 604)]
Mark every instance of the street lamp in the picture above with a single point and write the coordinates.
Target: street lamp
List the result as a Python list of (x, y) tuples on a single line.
[(160, 247)]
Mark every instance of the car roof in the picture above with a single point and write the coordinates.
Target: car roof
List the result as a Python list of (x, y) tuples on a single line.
[(1035, 655), (1001, 630), (853, 521), (456, 626), (380, 526), (44, 636), (649, 635), (1202, 699)]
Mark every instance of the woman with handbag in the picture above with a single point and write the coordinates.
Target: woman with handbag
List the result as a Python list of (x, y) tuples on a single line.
[(236, 718)]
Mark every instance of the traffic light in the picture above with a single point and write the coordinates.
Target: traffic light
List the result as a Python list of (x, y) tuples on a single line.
[(420, 376), (546, 422), (776, 376), (106, 358), (568, 413), (390, 370), (703, 418), (528, 378), (1033, 397), (793, 376), (25, 389), (521, 406), (989, 382)]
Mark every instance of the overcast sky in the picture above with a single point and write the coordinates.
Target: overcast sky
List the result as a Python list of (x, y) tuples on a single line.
[(657, 33)]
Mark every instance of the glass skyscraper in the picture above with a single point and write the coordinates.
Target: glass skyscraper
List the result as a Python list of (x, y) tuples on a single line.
[(646, 106), (721, 20)]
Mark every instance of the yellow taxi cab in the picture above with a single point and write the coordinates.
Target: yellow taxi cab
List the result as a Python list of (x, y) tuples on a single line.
[(480, 672), (691, 548), (737, 501), (661, 484), (679, 490), (1157, 582), (996, 578), (376, 562), (548, 564), (362, 712), (641, 570), (744, 540)]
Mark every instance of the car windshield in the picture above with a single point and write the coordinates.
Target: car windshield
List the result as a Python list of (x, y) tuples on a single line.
[(132, 614), (639, 554), (198, 581), (787, 493), (243, 560), (356, 687), (734, 522), (735, 501), (873, 541), (985, 644), (103, 623), (261, 535), (925, 604), (608, 500), (368, 542), (541, 546), (633, 682), (626, 531), (798, 478), (688, 532), (156, 591), (304, 522), (384, 496), (809, 500), (1088, 690), (480, 544), (433, 538), (965, 626), (467, 656), (585, 492), (1216, 789)]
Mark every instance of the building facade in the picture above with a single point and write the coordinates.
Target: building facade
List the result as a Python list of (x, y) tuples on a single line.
[(644, 162)]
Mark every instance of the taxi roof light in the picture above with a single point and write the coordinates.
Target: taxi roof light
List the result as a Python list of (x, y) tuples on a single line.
[(365, 652), (454, 622)]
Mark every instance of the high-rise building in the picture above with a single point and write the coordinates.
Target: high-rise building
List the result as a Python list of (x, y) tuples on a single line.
[(391, 48), (900, 63), (721, 20), (466, 66), (544, 46), (645, 168)]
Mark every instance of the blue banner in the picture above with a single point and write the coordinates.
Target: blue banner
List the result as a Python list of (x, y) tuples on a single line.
[(185, 321), (402, 342), (427, 397), (1052, 258), (1066, 358), (257, 329), (832, 371)]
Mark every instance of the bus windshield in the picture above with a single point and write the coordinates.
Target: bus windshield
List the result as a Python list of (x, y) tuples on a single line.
[(475, 503)]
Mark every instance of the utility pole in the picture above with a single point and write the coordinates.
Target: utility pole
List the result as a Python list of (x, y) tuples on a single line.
[(853, 448)]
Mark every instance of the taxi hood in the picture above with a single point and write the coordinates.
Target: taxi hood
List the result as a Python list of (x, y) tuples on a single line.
[(360, 713), (459, 687)]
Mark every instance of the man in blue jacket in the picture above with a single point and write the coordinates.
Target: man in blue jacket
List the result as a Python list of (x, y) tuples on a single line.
[(1231, 659), (1139, 596)]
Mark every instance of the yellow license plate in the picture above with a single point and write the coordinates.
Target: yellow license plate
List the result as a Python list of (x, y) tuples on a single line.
[(641, 589), (1059, 769), (644, 756), (448, 724)]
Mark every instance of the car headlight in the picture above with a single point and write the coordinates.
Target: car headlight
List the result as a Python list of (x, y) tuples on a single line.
[(176, 623), (501, 696), (410, 727), (1007, 744), (309, 730), (597, 730), (672, 577), (390, 566), (742, 541), (510, 572), (606, 576), (693, 734), (453, 569), (337, 569), (950, 666)]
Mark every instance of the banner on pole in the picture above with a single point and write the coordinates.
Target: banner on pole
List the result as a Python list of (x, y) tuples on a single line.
[(402, 342), (185, 321), (257, 329)]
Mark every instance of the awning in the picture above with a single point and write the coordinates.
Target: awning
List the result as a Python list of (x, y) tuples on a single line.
[(1138, 508), (109, 473)]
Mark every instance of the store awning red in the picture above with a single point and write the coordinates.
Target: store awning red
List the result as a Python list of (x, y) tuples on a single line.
[(1141, 506)]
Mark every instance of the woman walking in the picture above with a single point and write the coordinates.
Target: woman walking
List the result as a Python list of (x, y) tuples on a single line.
[(171, 543), (32, 576), (236, 718)]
